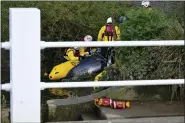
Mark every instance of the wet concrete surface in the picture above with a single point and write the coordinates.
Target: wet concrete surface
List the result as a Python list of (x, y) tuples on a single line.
[(145, 109), (143, 112), (134, 120)]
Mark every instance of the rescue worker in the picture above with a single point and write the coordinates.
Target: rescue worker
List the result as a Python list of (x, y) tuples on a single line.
[(71, 53), (106, 32), (74, 53), (146, 4), (86, 51), (69, 61), (109, 32)]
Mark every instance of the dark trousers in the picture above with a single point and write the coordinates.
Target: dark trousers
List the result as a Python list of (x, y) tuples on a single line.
[(108, 51)]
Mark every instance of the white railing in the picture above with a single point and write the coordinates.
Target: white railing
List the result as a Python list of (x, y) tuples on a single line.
[(59, 44), (45, 85), (25, 46)]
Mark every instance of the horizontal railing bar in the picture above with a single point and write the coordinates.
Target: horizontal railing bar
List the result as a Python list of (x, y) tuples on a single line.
[(6, 87), (5, 45), (60, 44), (45, 85), (112, 43)]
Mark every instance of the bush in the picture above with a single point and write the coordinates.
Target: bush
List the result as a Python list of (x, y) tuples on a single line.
[(64, 21), (151, 62), (143, 24)]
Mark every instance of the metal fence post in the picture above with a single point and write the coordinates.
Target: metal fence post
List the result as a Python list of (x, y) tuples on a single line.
[(25, 64)]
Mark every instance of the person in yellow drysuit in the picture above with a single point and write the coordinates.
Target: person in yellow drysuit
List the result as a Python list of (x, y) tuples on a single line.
[(106, 32), (68, 61), (146, 3), (72, 54), (86, 51)]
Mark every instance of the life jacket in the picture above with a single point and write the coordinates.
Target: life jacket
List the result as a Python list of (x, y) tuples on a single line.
[(107, 102), (108, 31), (120, 104)]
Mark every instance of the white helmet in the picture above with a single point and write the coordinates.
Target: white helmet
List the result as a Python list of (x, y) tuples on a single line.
[(88, 38), (145, 3), (76, 48), (109, 20)]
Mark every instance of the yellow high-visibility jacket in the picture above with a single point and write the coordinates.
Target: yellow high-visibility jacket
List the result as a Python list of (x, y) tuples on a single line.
[(84, 52), (105, 38), (150, 8), (97, 77), (70, 54)]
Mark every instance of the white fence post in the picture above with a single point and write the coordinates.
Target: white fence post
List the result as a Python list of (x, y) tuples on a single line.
[(25, 64)]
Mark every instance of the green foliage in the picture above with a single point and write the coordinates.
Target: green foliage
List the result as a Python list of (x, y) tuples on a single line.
[(64, 21), (61, 21), (113, 72), (3, 101), (177, 13), (143, 24), (144, 63), (174, 31), (67, 20), (151, 62)]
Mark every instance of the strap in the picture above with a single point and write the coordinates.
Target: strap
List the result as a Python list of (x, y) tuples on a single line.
[(114, 33)]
